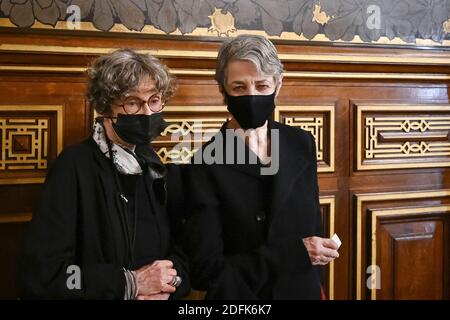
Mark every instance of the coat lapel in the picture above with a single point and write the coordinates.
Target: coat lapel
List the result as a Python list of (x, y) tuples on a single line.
[(292, 162), (235, 161), (111, 201)]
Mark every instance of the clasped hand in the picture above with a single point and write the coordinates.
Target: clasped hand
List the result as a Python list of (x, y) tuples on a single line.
[(153, 280), (321, 250)]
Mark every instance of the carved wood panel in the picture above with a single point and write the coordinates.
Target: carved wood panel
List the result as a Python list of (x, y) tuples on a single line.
[(320, 122), (392, 136), (402, 245), (189, 127), (410, 254), (31, 136)]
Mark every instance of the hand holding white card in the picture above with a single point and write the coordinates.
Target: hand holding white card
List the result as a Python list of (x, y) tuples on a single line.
[(336, 239)]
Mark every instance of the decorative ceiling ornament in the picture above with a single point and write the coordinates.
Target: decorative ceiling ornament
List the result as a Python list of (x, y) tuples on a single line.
[(222, 23), (320, 16)]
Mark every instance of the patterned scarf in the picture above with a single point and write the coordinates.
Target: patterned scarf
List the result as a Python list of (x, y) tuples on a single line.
[(133, 162), (124, 161)]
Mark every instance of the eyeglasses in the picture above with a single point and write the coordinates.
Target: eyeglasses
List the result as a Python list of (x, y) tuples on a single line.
[(133, 105)]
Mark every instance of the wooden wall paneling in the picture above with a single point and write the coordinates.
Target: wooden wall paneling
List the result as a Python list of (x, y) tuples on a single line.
[(328, 211), (413, 250), (394, 136), (406, 235), (320, 122), (31, 136), (40, 114), (11, 237), (323, 90), (189, 128)]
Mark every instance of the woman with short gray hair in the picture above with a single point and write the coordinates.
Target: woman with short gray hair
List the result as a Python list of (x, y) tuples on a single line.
[(254, 226), (101, 230), (255, 49)]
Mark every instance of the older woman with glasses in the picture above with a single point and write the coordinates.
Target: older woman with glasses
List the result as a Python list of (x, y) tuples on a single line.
[(101, 230)]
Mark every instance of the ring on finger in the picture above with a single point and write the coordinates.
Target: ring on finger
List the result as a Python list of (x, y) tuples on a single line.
[(175, 282)]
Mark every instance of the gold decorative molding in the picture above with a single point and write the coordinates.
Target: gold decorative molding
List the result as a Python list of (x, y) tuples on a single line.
[(287, 74), (208, 32), (395, 213), (43, 69), (25, 140), (193, 72), (315, 124), (160, 53), (189, 127), (13, 181), (181, 155), (330, 201), (373, 197), (31, 139), (212, 55), (182, 127), (208, 124), (387, 139), (15, 218), (366, 75)]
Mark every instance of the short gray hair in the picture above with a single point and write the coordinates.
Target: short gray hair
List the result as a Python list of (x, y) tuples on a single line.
[(257, 49), (113, 75)]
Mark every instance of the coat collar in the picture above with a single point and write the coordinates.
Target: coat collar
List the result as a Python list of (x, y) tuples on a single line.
[(214, 152), (293, 159), (289, 149)]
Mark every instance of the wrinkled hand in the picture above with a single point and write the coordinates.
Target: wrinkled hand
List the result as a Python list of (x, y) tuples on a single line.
[(153, 279), (321, 250)]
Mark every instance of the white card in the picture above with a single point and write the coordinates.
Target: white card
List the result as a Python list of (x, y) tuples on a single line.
[(336, 239)]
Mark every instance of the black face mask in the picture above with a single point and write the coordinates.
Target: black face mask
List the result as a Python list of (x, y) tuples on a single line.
[(139, 129), (251, 111)]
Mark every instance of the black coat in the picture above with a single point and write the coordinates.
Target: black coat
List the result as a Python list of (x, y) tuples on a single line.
[(241, 248), (78, 222)]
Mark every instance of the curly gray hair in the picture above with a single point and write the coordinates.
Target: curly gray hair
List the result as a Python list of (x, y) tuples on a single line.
[(113, 75), (257, 49)]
